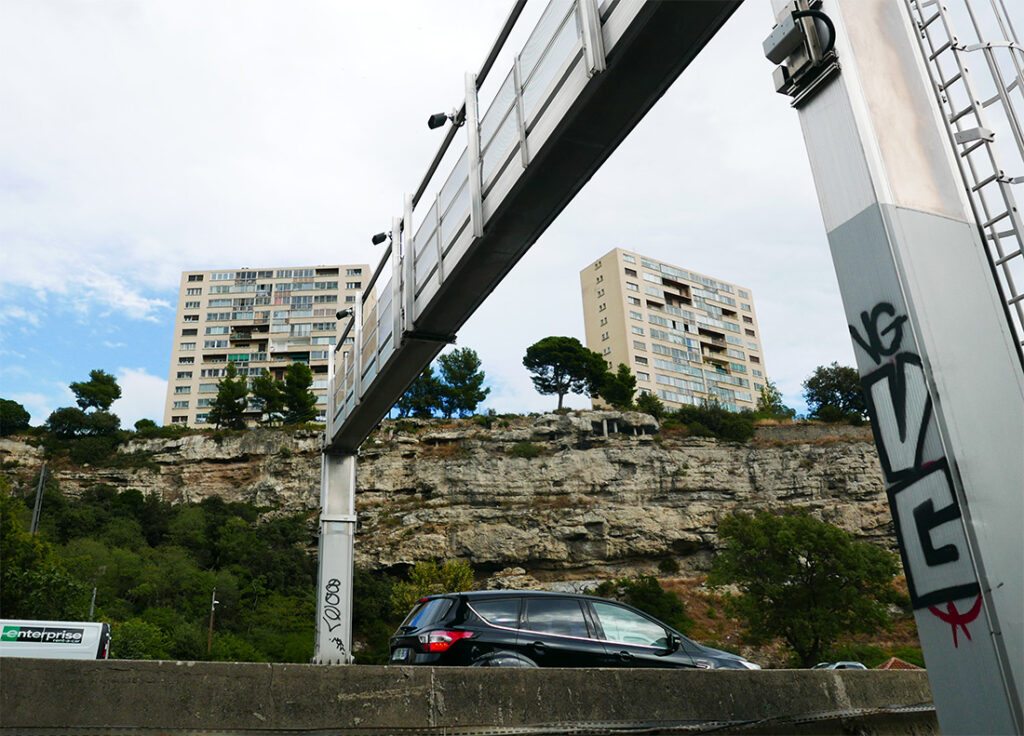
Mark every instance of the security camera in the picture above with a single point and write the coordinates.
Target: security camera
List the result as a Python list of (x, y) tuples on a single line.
[(437, 120), (343, 313), (379, 238)]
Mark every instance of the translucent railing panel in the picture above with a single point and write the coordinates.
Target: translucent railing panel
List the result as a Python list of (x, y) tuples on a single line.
[(384, 296), (456, 180), (546, 28), (425, 261), (500, 106), (564, 45), (452, 221), (505, 139)]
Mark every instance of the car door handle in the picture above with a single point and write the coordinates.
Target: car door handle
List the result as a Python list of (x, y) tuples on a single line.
[(625, 656), (539, 646)]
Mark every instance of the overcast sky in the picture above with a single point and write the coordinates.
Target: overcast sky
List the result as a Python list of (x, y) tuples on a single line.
[(141, 139)]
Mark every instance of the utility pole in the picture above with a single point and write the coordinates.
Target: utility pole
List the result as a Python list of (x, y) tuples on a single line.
[(39, 500), (213, 605)]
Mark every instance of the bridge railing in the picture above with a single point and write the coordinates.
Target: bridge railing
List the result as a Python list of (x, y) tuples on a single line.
[(562, 51)]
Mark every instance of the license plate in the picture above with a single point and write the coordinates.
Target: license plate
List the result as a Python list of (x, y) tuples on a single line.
[(400, 654)]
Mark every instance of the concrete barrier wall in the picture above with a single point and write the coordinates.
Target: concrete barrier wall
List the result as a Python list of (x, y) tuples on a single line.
[(53, 696)]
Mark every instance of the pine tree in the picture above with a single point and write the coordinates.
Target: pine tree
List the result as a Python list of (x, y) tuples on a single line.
[(268, 396), (228, 409), (462, 388), (299, 401)]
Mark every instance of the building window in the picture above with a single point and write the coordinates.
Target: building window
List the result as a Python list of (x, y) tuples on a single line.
[(217, 330), (757, 373), (353, 284), (195, 277), (202, 418), (743, 294), (604, 335), (597, 265), (194, 291), (184, 374), (638, 330), (631, 272), (633, 300), (207, 388), (191, 305), (187, 346), (604, 321), (636, 315), (182, 389), (748, 320), (745, 307), (600, 293), (599, 279), (606, 351), (186, 360), (179, 419), (601, 307), (179, 405), (640, 376), (190, 318), (758, 386), (628, 258), (640, 360), (631, 286), (349, 299), (353, 272), (750, 333), (640, 345), (189, 332), (754, 359)]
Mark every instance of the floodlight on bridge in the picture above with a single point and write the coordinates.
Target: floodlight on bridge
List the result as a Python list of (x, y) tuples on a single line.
[(379, 238), (343, 313), (437, 120)]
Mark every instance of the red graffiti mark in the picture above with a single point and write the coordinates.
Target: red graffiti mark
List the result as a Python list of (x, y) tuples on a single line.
[(954, 618)]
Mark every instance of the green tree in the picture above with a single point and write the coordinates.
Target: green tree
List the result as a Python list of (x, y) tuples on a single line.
[(618, 388), (144, 425), (422, 397), (268, 396), (561, 365), (299, 401), (804, 580), (99, 392), (770, 406), (34, 582), (648, 403), (13, 417), (67, 422), (645, 592), (228, 409), (463, 382), (429, 578), (833, 393)]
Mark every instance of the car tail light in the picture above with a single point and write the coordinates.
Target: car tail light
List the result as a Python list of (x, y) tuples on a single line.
[(440, 641)]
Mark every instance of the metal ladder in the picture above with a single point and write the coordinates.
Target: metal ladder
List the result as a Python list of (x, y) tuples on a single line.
[(985, 132)]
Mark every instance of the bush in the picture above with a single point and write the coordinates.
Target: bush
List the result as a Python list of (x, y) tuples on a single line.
[(92, 450), (669, 566), (526, 450), (428, 578)]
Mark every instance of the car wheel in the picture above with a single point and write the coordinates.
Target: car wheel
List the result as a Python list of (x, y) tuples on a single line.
[(503, 659)]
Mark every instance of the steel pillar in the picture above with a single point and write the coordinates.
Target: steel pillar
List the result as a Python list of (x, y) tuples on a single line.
[(333, 644), (935, 352)]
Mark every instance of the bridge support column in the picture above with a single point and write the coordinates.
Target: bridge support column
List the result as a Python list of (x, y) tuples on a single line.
[(333, 643), (938, 365)]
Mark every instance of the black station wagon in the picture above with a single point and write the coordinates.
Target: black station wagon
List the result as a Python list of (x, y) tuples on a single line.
[(535, 629)]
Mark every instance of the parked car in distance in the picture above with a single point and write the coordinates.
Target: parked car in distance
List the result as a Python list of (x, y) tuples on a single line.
[(536, 629), (846, 665)]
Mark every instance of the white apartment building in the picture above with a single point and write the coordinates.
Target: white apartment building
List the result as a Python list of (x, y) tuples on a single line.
[(686, 337), (258, 319)]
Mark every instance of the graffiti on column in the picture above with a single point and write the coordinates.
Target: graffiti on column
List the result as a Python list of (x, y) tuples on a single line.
[(924, 506)]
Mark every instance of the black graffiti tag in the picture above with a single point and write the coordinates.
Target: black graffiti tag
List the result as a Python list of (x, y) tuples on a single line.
[(925, 509)]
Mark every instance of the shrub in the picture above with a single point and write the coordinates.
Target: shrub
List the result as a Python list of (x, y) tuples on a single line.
[(645, 592), (526, 449), (669, 566)]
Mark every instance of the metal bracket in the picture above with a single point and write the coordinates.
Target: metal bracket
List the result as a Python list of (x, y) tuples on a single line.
[(419, 336), (343, 518)]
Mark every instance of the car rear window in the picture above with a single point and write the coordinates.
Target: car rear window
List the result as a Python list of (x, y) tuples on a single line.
[(427, 612), (498, 611), (560, 616)]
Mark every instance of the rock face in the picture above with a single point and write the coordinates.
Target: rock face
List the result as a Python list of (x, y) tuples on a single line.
[(560, 496)]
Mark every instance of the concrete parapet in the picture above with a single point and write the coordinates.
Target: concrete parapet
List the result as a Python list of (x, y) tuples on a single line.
[(55, 696)]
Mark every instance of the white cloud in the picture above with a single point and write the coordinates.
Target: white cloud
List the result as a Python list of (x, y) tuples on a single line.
[(40, 405), (142, 396)]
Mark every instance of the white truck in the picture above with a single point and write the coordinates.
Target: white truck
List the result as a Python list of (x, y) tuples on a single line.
[(54, 639)]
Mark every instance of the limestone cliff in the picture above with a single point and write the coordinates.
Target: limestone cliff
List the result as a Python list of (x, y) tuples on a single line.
[(562, 496)]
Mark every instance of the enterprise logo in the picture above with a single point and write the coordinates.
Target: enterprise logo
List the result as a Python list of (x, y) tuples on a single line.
[(41, 634)]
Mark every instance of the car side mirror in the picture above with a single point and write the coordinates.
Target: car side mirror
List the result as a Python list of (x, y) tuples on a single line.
[(674, 643)]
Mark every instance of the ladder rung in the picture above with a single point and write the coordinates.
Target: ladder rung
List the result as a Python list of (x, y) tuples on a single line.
[(1005, 234), (973, 147), (941, 49), (943, 86), (996, 219), (958, 115), (987, 180), (1008, 257), (1016, 299), (925, 23)]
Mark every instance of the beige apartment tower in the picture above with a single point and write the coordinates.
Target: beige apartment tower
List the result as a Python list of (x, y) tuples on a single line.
[(256, 319), (686, 337)]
